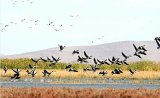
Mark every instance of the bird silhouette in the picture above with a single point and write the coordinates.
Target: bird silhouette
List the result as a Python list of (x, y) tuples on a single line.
[(132, 71), (45, 72), (75, 52), (86, 56), (5, 69), (61, 47), (157, 39), (16, 75), (103, 72)]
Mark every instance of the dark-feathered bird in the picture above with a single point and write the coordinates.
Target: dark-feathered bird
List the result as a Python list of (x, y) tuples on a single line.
[(86, 56), (68, 66), (34, 60), (5, 69), (16, 75), (45, 72), (43, 59), (61, 47), (75, 52), (72, 70), (157, 39), (103, 72), (132, 71)]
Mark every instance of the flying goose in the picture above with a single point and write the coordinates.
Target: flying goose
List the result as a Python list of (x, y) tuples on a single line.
[(5, 69), (61, 47), (16, 75), (75, 52), (132, 71), (34, 60), (103, 72), (87, 57), (157, 39), (45, 72)]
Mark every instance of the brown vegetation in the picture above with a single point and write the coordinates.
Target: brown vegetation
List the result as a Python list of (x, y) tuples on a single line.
[(151, 75), (77, 93)]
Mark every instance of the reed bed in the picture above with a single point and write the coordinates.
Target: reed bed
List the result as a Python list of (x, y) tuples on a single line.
[(147, 75), (14, 92), (24, 62)]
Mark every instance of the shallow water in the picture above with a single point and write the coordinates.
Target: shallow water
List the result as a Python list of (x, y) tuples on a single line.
[(82, 83)]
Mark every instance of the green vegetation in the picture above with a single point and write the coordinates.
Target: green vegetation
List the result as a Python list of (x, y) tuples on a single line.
[(23, 64)]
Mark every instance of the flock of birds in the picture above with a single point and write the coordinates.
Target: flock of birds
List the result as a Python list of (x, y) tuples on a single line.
[(31, 23), (139, 51)]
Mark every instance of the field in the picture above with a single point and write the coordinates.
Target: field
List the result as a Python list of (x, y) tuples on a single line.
[(14, 92)]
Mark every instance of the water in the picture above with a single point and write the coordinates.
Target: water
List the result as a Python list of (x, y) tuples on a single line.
[(82, 83)]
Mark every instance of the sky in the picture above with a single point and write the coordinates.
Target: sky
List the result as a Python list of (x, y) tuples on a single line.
[(79, 23)]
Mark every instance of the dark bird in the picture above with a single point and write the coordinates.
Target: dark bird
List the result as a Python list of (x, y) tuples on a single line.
[(103, 72), (68, 66), (142, 48), (34, 60), (32, 72), (5, 69), (81, 59), (56, 60), (45, 72), (157, 39), (95, 61), (117, 71), (86, 69), (75, 52), (87, 57), (16, 75), (132, 71), (43, 59), (100, 62), (125, 56), (32, 67), (94, 68), (72, 70), (137, 54), (61, 47)]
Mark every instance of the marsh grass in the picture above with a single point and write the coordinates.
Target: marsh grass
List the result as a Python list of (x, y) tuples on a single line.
[(24, 62), (148, 75), (35, 92)]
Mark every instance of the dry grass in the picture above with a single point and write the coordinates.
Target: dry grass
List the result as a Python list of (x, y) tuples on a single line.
[(152, 75), (77, 93)]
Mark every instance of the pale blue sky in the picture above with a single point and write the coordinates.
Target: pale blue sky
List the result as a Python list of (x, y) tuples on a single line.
[(116, 20)]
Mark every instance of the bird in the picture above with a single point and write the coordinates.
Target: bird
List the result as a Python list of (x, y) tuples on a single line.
[(86, 56), (95, 61), (68, 66), (61, 47), (142, 48), (157, 39), (103, 72), (117, 71), (34, 60), (16, 75), (5, 69), (132, 71), (72, 70), (94, 68), (55, 60), (45, 72), (43, 59), (81, 60), (32, 67), (100, 62), (125, 56), (32, 72), (75, 52), (86, 69)]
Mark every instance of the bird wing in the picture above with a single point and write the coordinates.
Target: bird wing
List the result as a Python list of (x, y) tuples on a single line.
[(95, 61), (54, 58), (124, 55), (86, 54), (158, 43), (135, 47)]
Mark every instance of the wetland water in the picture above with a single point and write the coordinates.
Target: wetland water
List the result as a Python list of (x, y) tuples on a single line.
[(84, 83)]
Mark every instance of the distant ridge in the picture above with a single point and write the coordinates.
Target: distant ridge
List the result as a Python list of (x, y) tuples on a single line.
[(102, 51)]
